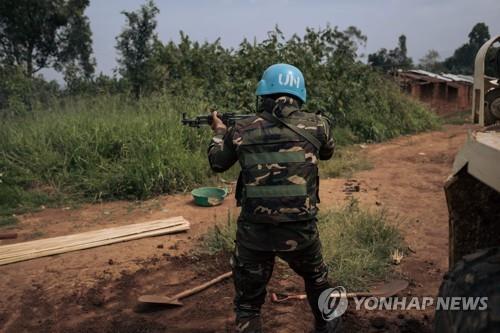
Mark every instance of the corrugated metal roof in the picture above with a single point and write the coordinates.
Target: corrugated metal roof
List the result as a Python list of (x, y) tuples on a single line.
[(446, 77), (459, 78), (433, 75)]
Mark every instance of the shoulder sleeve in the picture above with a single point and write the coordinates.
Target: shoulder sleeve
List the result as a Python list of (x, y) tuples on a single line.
[(326, 138), (221, 151)]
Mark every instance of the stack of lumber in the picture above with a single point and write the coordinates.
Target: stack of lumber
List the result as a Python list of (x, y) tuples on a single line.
[(45, 247)]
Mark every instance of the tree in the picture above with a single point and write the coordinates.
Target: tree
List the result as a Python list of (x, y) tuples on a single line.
[(431, 62), (45, 33), (462, 60), (135, 45), (392, 59)]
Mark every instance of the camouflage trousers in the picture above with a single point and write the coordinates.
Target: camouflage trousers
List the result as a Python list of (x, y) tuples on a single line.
[(252, 270)]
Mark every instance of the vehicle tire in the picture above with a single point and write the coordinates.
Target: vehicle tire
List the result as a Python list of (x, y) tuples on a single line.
[(476, 275), (492, 106)]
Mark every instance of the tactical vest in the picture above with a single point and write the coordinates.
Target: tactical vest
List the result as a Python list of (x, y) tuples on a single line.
[(279, 174)]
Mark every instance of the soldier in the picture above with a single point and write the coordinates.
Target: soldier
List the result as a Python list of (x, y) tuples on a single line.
[(277, 189)]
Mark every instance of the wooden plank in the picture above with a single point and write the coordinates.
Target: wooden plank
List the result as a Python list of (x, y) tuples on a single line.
[(53, 244), (90, 235), (39, 254), (86, 241), (86, 236), (96, 233), (64, 243)]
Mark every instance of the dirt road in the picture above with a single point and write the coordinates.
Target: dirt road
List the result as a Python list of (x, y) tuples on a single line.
[(95, 290)]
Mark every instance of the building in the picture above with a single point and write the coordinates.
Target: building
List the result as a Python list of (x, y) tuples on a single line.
[(445, 93)]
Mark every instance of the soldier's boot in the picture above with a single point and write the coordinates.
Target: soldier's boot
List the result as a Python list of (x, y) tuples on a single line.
[(332, 326), (249, 324)]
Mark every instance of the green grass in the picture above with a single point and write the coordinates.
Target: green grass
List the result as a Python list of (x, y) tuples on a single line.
[(345, 162), (110, 147), (101, 148), (357, 243), (221, 237)]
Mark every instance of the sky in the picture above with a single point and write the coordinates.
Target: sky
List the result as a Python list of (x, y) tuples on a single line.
[(442, 25)]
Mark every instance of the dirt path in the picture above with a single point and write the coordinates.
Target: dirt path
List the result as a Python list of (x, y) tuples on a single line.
[(95, 290)]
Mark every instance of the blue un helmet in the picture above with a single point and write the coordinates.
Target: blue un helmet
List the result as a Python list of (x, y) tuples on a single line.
[(282, 78)]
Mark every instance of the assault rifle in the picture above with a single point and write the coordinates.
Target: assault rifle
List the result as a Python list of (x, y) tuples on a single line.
[(228, 118)]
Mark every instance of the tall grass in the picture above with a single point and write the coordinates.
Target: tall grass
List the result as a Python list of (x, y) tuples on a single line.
[(110, 147), (103, 148)]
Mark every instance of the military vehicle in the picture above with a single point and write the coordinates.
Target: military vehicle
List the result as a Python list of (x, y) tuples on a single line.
[(473, 197)]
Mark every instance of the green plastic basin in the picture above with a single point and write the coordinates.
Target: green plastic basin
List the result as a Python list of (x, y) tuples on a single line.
[(209, 196)]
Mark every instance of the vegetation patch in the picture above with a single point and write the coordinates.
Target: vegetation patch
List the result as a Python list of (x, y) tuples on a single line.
[(458, 118), (357, 243), (6, 221), (105, 138), (345, 162)]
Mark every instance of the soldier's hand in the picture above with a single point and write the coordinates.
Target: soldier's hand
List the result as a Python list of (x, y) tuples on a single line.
[(217, 124)]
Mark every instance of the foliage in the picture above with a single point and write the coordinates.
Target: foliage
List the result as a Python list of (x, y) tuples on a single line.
[(462, 60), (431, 62), (96, 143), (45, 33), (390, 60), (135, 45), (19, 94), (361, 101), (357, 243), (109, 147)]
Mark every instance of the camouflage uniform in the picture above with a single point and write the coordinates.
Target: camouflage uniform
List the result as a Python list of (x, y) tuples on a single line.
[(278, 192)]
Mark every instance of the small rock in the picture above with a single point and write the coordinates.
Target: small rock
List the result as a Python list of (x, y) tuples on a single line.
[(378, 322), (173, 247), (159, 246), (106, 212), (378, 203), (110, 262)]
